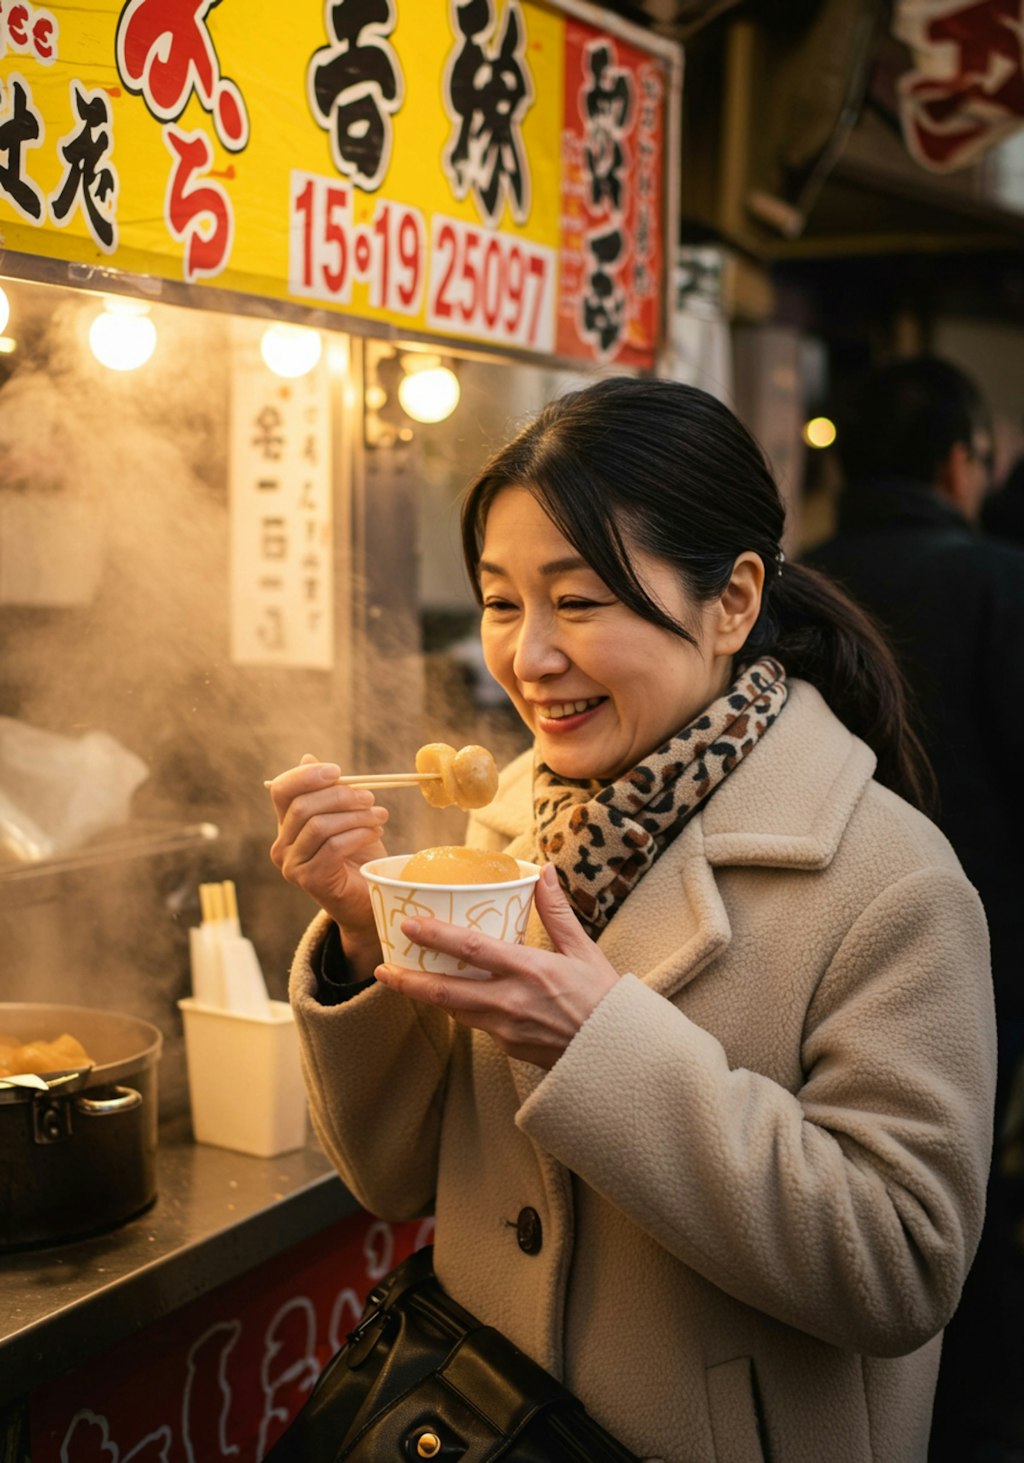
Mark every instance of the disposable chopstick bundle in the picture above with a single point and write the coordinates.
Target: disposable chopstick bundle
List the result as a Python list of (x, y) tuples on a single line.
[(225, 968)]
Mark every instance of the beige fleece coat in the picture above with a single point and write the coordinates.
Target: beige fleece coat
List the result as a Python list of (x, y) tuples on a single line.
[(760, 1164)]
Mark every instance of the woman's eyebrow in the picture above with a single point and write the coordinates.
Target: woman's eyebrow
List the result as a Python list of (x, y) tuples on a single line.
[(555, 566)]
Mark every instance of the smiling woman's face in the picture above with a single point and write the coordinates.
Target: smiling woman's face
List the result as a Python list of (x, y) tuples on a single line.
[(599, 687)]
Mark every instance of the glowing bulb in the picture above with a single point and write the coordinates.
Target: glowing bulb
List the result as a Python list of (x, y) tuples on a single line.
[(819, 432), (290, 350), (429, 395), (123, 337), (338, 355), (5, 311)]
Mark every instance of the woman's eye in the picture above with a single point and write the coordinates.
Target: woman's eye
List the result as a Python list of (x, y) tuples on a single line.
[(581, 604), (498, 606)]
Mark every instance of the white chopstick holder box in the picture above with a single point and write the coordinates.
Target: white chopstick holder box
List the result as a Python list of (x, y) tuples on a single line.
[(244, 1078)]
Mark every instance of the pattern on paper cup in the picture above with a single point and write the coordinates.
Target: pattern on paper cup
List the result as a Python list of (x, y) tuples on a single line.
[(501, 912)]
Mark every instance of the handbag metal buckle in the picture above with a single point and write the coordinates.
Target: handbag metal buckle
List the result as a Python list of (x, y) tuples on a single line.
[(364, 1323)]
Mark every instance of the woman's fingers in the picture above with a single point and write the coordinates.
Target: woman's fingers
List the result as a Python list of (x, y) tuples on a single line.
[(338, 836), (501, 956), (538, 999), (459, 995), (309, 776), (556, 914), (321, 824), (520, 1019), (477, 950)]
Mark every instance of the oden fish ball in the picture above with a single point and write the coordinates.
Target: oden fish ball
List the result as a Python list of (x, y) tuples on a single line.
[(454, 864), (438, 757), (468, 778), (476, 777)]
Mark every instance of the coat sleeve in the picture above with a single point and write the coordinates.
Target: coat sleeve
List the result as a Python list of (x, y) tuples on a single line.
[(375, 1069), (850, 1208)]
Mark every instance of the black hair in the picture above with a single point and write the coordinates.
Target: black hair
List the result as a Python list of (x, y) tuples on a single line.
[(904, 418), (667, 468)]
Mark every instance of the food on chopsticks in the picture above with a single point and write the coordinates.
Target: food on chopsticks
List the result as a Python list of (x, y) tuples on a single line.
[(467, 778), (455, 864), (39, 1057)]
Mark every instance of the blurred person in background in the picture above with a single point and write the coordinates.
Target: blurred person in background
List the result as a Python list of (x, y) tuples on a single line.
[(1002, 513), (915, 446)]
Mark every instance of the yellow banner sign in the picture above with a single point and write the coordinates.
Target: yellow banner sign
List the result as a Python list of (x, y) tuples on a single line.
[(485, 171)]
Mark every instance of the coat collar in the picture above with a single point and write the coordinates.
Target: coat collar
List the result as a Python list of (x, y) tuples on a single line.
[(786, 806)]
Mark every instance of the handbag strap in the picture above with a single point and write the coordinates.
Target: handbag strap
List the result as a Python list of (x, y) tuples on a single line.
[(417, 1270), (501, 1383)]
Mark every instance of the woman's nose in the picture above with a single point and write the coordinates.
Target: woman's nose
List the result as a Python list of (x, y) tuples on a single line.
[(537, 652)]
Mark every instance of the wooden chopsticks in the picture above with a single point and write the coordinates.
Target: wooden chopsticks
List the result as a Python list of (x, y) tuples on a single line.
[(387, 779), (383, 779)]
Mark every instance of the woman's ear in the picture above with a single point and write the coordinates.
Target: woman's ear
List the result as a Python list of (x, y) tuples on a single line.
[(739, 605)]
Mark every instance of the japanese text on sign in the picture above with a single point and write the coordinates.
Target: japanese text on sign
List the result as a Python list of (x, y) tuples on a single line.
[(491, 170)]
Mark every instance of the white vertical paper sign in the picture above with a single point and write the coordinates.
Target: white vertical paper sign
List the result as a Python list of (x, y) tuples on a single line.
[(282, 562)]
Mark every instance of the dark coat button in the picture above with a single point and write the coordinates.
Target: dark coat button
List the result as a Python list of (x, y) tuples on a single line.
[(528, 1231)]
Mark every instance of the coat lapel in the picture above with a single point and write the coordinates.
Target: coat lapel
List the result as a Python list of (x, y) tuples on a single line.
[(674, 921), (675, 925), (785, 806)]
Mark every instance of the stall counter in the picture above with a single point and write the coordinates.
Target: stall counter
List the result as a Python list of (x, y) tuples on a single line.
[(218, 1215)]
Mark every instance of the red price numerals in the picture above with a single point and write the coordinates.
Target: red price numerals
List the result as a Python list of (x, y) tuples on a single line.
[(327, 251), (401, 244), (490, 285), (320, 239)]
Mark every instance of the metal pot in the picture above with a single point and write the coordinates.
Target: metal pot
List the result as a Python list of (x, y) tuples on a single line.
[(78, 1154)]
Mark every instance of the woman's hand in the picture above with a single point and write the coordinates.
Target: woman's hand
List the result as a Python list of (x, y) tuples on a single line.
[(324, 833), (536, 1000)]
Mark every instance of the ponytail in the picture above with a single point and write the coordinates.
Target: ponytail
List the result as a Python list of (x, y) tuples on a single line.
[(820, 635)]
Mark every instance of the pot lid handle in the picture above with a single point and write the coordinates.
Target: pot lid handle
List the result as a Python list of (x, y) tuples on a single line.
[(22, 1083)]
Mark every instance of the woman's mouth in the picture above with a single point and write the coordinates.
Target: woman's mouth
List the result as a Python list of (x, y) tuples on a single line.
[(565, 715)]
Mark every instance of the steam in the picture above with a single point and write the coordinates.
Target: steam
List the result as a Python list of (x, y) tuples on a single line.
[(137, 464)]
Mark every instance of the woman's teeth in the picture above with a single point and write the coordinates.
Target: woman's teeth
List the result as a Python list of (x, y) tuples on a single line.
[(569, 708)]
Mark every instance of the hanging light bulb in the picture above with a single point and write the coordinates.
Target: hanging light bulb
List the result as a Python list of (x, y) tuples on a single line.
[(290, 350), (819, 432), (122, 337), (428, 392), (5, 310)]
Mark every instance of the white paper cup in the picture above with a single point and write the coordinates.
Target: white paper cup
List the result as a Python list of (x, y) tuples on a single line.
[(498, 910)]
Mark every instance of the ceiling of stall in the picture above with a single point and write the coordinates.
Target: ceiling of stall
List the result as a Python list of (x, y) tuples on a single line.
[(793, 143), (681, 19)]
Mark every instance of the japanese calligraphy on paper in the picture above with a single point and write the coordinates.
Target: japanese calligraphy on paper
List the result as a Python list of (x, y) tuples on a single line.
[(282, 572)]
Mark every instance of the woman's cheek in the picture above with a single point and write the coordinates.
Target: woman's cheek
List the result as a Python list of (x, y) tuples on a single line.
[(497, 662)]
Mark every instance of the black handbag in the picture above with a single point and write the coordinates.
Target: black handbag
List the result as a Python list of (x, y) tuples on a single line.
[(419, 1377)]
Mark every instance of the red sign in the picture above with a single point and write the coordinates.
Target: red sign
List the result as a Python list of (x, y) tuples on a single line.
[(965, 91), (612, 251), (222, 1377)]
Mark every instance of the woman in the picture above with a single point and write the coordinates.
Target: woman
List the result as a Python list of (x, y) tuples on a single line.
[(712, 1145)]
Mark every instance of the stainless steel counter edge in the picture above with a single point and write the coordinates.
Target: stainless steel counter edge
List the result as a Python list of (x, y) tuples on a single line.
[(218, 1214)]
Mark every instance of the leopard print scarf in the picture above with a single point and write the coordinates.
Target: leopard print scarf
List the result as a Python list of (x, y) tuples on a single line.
[(603, 838)]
